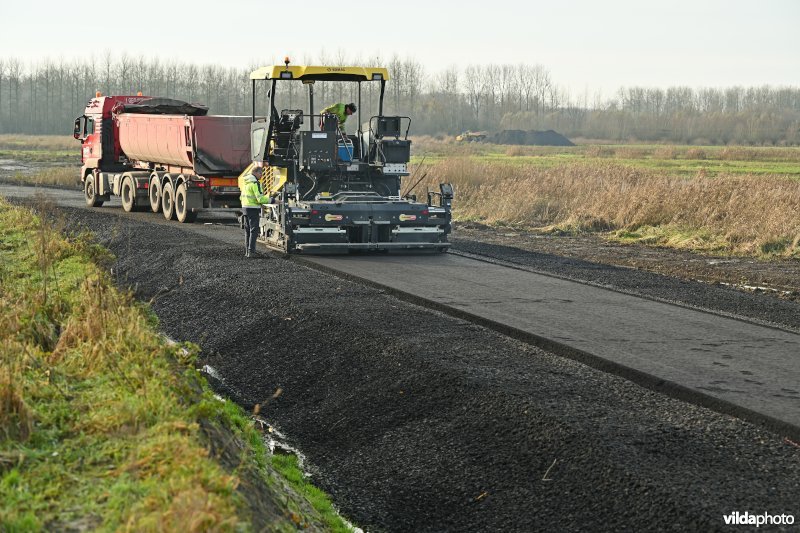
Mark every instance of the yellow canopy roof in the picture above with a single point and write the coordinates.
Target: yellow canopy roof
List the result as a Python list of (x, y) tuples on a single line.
[(320, 73)]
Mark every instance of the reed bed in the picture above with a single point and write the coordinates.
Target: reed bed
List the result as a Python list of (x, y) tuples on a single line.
[(742, 214)]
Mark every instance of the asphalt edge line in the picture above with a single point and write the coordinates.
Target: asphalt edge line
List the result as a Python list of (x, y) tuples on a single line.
[(619, 290), (643, 379)]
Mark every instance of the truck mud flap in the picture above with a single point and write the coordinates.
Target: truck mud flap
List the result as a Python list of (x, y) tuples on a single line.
[(194, 199), (103, 185)]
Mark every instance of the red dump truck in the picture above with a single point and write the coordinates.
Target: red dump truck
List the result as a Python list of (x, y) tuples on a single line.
[(161, 154)]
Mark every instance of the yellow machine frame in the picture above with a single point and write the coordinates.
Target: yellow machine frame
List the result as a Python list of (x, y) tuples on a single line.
[(275, 178), (321, 73)]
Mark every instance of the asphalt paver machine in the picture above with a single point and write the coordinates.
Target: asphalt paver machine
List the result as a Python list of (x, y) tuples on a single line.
[(331, 190)]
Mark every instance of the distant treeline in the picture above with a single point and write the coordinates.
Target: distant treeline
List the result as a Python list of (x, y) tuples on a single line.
[(45, 97)]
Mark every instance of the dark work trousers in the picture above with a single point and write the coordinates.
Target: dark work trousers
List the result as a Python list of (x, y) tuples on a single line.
[(251, 216)]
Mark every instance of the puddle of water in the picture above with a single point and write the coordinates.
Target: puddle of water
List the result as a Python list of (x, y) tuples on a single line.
[(211, 371), (11, 164), (276, 442), (756, 288)]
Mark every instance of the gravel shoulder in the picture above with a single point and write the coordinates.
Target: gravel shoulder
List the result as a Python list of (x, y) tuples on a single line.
[(413, 420)]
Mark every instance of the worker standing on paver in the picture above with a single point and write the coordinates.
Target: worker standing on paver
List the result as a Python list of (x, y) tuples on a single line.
[(342, 111), (252, 200)]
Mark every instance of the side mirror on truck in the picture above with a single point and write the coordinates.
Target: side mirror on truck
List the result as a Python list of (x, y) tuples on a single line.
[(76, 132)]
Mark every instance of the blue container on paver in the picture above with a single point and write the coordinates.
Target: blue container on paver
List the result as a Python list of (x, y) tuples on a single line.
[(345, 152)]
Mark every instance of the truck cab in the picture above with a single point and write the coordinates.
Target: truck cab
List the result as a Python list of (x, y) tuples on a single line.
[(100, 147)]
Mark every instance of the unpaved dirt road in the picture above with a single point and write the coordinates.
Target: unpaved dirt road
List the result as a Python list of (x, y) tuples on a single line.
[(415, 420)]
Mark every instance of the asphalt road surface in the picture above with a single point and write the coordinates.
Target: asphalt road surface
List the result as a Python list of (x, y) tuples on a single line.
[(418, 419), (750, 366)]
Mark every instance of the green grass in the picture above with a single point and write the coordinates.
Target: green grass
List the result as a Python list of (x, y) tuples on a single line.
[(289, 468), (103, 424)]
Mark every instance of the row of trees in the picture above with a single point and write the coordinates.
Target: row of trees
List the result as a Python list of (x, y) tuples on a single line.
[(45, 97)]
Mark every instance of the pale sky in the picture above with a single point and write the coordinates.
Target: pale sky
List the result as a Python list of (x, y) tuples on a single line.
[(587, 45)]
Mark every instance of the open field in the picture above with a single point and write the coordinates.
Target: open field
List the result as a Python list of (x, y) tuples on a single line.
[(42, 149), (48, 160), (676, 160), (661, 196), (105, 425)]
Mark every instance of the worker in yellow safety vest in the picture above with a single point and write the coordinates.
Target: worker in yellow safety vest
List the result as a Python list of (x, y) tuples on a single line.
[(342, 111), (252, 200)]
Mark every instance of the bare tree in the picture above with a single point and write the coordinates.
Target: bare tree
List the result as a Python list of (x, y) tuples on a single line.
[(108, 69), (2, 75), (44, 97), (475, 88)]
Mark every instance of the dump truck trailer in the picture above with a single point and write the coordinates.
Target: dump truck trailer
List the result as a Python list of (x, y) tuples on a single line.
[(161, 155)]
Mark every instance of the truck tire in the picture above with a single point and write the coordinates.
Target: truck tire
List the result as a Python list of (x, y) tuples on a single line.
[(128, 194), (89, 192), (168, 201), (155, 194), (182, 211)]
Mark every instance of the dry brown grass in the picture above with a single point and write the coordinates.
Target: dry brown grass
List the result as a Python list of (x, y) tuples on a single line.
[(748, 153), (10, 141), (515, 151), (665, 152), (53, 176), (16, 420), (631, 152), (740, 214), (696, 153)]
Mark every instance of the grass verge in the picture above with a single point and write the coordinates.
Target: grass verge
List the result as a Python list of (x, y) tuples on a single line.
[(103, 424), (289, 468)]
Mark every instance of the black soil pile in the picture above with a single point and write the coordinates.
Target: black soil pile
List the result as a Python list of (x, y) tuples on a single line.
[(416, 421), (537, 138)]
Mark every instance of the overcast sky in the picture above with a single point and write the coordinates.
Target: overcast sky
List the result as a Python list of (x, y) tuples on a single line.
[(587, 45)]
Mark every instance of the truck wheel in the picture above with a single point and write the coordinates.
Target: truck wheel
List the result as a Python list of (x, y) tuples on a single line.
[(92, 199), (128, 194), (168, 201), (182, 210), (155, 195)]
